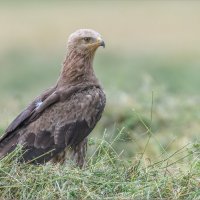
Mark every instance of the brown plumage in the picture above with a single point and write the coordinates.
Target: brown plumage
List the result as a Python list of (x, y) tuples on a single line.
[(55, 126)]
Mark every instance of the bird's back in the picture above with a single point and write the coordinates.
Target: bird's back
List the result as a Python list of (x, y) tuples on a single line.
[(65, 123)]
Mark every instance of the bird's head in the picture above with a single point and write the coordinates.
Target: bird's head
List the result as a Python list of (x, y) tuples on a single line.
[(85, 41)]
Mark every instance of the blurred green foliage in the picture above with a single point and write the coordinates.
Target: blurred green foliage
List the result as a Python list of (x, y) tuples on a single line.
[(149, 69), (150, 72)]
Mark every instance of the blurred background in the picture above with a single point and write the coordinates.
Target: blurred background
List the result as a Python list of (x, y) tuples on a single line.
[(150, 68)]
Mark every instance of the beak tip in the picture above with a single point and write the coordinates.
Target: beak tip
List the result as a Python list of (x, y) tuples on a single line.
[(102, 44)]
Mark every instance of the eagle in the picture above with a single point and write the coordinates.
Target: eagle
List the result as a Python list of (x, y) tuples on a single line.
[(55, 126)]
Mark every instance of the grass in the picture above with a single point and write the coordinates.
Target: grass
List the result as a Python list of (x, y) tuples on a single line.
[(155, 152), (106, 176), (147, 142)]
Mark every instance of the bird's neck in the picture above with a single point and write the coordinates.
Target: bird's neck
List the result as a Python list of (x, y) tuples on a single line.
[(77, 69)]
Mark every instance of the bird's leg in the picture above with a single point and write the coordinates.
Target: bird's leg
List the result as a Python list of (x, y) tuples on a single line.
[(79, 153), (75, 154)]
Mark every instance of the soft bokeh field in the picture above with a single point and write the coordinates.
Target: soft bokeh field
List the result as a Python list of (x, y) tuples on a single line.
[(150, 72), (150, 67)]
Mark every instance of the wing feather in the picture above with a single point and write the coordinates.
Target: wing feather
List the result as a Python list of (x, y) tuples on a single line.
[(67, 123), (42, 147), (26, 114)]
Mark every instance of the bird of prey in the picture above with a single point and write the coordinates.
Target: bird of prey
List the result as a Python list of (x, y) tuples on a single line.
[(55, 126)]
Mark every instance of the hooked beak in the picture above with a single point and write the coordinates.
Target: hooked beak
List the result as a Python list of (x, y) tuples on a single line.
[(101, 42)]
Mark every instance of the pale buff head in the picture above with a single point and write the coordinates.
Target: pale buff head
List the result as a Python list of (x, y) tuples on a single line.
[(85, 41)]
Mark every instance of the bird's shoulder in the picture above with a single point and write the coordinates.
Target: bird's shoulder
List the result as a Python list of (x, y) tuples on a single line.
[(83, 104), (27, 112)]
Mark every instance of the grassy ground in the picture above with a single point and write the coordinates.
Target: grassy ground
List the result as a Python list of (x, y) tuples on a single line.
[(147, 142), (155, 122), (106, 176)]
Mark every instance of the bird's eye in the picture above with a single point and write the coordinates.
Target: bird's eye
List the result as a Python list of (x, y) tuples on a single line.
[(86, 39)]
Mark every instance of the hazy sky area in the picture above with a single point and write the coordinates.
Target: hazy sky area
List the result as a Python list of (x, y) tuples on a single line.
[(147, 26)]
